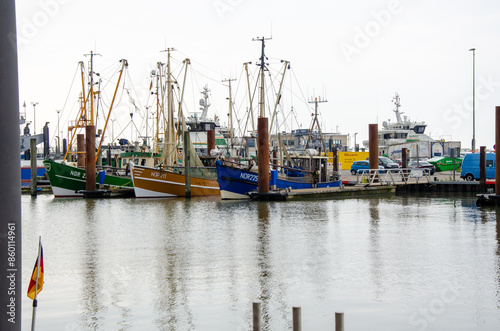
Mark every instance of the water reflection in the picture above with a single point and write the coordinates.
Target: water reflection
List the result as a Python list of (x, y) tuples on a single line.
[(376, 262), (179, 264), (91, 294), (264, 254), (170, 264), (497, 214)]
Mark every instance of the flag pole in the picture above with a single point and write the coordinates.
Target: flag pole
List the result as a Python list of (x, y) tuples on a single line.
[(36, 283)]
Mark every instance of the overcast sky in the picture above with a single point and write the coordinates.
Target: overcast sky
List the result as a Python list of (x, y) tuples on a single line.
[(357, 54)]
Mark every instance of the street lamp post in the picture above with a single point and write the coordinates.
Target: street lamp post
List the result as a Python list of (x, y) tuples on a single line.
[(58, 137), (473, 99), (34, 120)]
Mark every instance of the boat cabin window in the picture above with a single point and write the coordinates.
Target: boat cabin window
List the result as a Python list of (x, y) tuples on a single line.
[(419, 129)]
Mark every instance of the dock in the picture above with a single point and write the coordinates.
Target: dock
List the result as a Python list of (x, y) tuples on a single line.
[(324, 193)]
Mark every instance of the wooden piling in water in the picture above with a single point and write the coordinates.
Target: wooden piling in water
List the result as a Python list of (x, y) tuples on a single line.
[(90, 167), (373, 146), (497, 155), (482, 168), (210, 141), (33, 164), (297, 319), (339, 321), (335, 157), (263, 154), (256, 316), (187, 164), (275, 159), (404, 160), (80, 148)]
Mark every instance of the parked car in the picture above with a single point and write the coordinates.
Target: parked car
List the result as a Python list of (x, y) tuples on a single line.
[(424, 165), (386, 163), (359, 166), (470, 166), (445, 163)]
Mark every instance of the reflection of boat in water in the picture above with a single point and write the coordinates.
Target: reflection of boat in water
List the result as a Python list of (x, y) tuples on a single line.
[(404, 133)]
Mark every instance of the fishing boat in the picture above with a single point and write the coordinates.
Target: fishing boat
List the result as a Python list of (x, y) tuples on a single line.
[(307, 170), (67, 179), (168, 179)]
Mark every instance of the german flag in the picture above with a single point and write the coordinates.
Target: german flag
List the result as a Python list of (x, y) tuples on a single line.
[(36, 281)]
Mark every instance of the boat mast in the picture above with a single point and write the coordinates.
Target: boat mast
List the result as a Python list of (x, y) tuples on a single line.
[(278, 98), (124, 65), (262, 66), (249, 94), (396, 102), (230, 112), (316, 121), (170, 139), (91, 78)]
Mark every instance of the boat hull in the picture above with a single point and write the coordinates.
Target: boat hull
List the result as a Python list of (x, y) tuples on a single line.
[(235, 183), (26, 171), (157, 183), (66, 180)]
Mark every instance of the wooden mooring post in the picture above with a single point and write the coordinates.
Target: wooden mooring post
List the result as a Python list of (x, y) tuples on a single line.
[(33, 183), (256, 316), (297, 319), (339, 321), (187, 164)]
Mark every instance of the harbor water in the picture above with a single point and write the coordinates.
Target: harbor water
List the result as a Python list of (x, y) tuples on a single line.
[(392, 263)]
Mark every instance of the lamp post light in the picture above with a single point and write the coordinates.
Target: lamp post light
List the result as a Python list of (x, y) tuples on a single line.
[(473, 99), (58, 137), (34, 120)]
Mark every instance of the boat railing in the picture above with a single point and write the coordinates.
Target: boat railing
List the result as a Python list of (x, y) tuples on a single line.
[(288, 173), (202, 172), (393, 176)]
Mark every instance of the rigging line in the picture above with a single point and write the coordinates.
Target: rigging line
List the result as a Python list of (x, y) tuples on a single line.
[(234, 109), (304, 99), (206, 76), (193, 81), (71, 87), (137, 100), (201, 64)]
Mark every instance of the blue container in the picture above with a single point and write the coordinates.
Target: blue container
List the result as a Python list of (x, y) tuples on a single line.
[(101, 177)]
